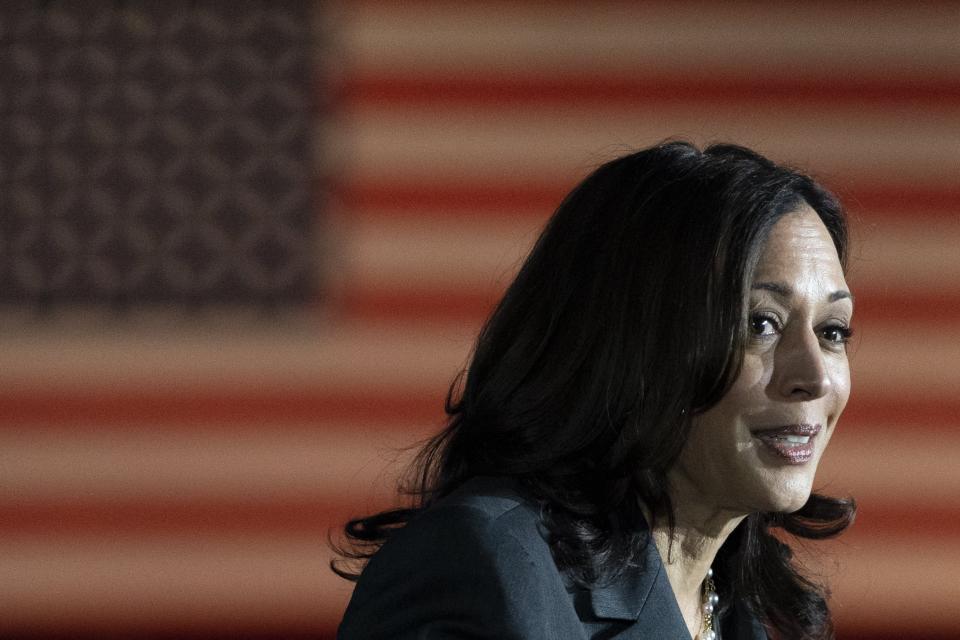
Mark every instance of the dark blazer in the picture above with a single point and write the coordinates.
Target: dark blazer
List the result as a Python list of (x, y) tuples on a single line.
[(476, 565)]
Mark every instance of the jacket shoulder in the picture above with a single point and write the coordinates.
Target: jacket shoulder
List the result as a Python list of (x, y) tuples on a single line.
[(474, 564)]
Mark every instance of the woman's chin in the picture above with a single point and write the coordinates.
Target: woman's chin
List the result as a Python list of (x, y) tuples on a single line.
[(783, 490), (790, 498), (789, 504)]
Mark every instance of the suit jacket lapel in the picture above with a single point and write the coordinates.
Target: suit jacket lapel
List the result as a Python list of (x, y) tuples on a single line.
[(643, 594)]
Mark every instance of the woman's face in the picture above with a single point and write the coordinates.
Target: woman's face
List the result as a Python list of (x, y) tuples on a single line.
[(758, 448)]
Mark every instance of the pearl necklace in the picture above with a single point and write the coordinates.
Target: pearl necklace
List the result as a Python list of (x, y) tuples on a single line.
[(710, 602)]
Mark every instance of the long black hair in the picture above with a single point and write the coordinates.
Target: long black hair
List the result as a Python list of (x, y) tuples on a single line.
[(627, 319)]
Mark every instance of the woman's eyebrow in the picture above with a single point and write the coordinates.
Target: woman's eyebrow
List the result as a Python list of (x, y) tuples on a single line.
[(783, 291), (776, 288)]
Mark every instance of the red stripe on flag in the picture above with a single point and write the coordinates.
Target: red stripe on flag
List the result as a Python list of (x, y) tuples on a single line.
[(153, 516), (870, 411), (224, 518), (466, 305), (213, 408), (642, 89)]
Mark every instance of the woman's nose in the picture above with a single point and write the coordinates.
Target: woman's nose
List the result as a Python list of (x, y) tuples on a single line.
[(800, 370)]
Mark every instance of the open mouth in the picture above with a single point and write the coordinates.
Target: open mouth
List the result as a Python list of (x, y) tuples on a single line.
[(791, 443)]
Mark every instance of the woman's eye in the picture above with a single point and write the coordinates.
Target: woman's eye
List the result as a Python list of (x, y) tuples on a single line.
[(763, 325), (836, 333)]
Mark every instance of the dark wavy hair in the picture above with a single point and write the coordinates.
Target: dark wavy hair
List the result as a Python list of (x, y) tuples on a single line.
[(626, 320)]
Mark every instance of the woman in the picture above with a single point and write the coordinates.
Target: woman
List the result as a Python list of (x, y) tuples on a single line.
[(647, 402)]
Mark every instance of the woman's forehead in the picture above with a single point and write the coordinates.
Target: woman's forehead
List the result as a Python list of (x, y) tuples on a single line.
[(798, 235), (799, 251)]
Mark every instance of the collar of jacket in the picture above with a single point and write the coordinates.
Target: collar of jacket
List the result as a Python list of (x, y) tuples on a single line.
[(642, 593)]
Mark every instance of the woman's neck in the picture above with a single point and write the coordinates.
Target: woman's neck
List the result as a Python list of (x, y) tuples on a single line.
[(698, 534)]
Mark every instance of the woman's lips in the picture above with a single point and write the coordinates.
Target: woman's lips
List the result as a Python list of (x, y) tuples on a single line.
[(792, 443)]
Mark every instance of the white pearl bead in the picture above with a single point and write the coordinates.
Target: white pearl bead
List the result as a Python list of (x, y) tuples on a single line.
[(710, 572), (709, 634), (707, 608), (714, 598)]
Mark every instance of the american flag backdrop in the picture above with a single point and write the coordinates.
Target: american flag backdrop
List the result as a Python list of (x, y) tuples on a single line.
[(245, 248)]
